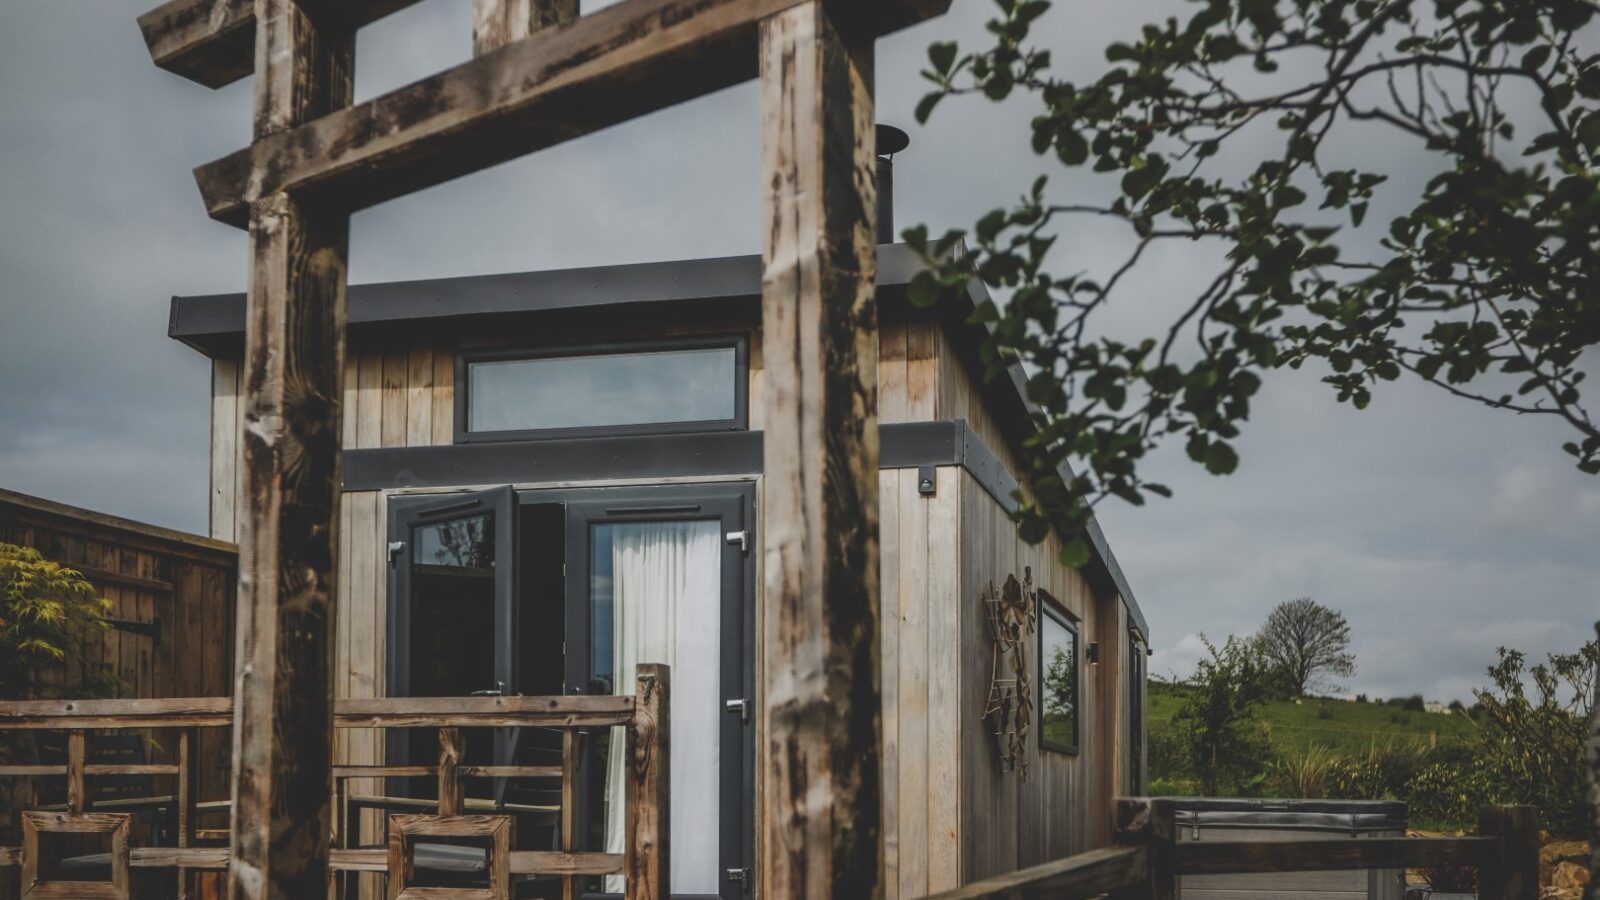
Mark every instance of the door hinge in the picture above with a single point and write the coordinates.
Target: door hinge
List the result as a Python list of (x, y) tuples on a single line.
[(742, 538), (741, 706), (742, 876), (395, 549)]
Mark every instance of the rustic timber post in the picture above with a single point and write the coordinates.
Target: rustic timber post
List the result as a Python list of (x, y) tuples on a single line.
[(820, 779), (452, 747), (496, 23), (288, 543), (77, 796), (1513, 873), (648, 795), (1151, 823)]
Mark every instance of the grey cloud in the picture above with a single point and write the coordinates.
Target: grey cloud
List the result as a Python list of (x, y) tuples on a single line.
[(1440, 529)]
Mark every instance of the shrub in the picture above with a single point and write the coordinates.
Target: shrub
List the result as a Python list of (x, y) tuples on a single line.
[(1225, 746), (1307, 775)]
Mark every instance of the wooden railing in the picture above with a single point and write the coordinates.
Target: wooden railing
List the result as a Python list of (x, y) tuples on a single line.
[(644, 716), (1148, 859)]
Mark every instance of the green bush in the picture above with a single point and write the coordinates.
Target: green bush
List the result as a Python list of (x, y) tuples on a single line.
[(1225, 746)]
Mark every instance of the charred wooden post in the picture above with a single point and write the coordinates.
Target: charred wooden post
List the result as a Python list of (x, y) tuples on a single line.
[(294, 355), (648, 794), (1150, 822), (1513, 873), (821, 827), (496, 23)]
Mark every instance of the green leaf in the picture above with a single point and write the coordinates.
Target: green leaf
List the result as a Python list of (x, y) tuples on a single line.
[(943, 56), (1075, 553), (1221, 459)]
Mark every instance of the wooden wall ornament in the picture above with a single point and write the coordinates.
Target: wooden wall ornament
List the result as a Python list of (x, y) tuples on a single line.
[(1013, 615)]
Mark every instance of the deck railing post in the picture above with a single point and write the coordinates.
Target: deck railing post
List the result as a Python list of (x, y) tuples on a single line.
[(452, 746), (1149, 822), (1513, 873), (649, 786)]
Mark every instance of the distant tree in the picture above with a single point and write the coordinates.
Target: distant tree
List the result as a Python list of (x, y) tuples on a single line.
[(1225, 745), (1306, 644)]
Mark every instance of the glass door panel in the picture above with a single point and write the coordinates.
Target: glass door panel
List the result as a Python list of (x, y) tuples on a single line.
[(451, 619), (656, 596)]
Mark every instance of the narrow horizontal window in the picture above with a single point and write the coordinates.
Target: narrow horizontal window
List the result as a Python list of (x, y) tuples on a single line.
[(627, 390)]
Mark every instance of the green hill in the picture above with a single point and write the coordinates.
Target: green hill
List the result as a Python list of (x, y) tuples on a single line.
[(1338, 725)]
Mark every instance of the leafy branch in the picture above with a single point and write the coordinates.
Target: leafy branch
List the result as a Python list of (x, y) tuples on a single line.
[(1485, 286)]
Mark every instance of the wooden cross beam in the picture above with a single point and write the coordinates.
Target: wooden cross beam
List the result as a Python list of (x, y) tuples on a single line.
[(316, 158), (606, 68)]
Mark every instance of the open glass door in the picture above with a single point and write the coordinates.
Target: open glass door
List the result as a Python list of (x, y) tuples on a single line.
[(452, 616), (660, 575)]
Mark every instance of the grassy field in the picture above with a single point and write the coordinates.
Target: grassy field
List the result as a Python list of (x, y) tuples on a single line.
[(1336, 724)]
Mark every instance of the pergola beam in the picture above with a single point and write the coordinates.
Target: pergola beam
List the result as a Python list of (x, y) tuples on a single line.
[(213, 42), (620, 63)]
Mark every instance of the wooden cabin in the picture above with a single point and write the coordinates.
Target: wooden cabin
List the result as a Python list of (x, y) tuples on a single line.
[(551, 477)]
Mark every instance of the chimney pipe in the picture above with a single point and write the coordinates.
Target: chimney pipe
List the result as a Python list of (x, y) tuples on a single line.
[(891, 140)]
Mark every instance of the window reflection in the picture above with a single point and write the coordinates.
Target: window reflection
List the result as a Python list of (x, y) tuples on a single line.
[(1058, 681)]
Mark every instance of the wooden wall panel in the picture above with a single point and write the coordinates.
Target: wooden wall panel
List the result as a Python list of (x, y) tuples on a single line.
[(1063, 806)]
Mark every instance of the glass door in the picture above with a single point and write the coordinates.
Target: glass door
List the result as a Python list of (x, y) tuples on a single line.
[(452, 619), (659, 576)]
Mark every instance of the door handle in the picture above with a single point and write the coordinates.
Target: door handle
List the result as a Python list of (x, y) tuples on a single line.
[(499, 691)]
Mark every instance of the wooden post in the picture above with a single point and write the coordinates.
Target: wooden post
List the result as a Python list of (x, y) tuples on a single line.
[(452, 746), (649, 788), (820, 772), (77, 749), (496, 23), (288, 544), (569, 805), (1150, 822), (1513, 874), (185, 800)]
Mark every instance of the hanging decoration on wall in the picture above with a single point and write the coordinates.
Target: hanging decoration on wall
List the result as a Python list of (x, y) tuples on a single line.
[(1010, 708)]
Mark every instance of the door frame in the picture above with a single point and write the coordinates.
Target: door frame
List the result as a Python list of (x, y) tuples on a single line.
[(732, 502)]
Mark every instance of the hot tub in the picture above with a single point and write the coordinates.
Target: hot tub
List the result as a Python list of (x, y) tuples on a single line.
[(1272, 821)]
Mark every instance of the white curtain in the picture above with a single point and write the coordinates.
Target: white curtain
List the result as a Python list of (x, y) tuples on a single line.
[(667, 599)]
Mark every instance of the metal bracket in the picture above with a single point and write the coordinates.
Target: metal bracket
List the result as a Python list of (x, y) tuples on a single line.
[(928, 480)]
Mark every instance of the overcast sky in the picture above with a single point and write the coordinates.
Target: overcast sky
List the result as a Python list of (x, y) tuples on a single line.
[(1440, 529)]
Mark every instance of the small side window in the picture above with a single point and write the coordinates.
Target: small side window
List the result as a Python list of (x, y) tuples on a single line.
[(1059, 711)]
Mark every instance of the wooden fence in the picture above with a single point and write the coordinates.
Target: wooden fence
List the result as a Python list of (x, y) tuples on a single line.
[(1148, 859), (644, 864)]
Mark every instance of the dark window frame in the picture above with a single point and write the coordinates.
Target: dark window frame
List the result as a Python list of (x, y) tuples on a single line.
[(1048, 606), (739, 343)]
